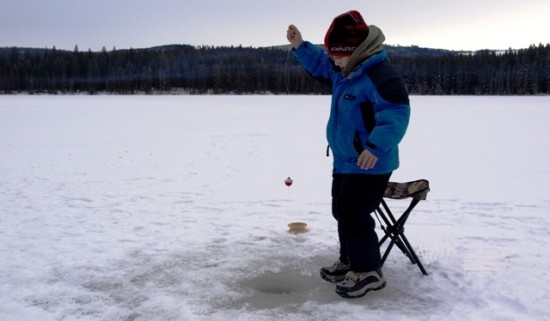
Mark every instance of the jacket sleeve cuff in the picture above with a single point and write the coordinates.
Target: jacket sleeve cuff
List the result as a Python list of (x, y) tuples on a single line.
[(370, 146), (301, 49)]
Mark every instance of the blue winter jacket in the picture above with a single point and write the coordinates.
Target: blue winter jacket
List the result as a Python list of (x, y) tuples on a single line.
[(370, 109)]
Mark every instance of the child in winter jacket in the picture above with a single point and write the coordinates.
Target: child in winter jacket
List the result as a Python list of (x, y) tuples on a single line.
[(368, 118)]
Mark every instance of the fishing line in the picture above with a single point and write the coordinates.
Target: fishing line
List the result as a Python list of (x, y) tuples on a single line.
[(286, 75), (294, 227)]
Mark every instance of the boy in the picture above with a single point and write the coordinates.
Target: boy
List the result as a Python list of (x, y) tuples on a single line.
[(369, 116)]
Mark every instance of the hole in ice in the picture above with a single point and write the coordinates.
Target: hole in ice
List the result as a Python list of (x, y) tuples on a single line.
[(278, 283), (271, 288), (290, 286)]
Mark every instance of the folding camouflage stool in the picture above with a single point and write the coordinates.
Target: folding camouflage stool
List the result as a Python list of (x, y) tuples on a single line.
[(393, 228)]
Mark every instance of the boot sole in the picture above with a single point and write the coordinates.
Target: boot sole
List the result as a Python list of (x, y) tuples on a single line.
[(361, 292)]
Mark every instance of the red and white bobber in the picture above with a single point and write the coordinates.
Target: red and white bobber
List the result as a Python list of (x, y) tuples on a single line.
[(288, 181)]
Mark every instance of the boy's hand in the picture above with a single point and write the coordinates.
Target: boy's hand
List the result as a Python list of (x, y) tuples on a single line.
[(294, 36), (367, 160)]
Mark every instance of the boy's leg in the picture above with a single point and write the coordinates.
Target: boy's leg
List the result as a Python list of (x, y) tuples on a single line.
[(336, 183), (337, 272), (357, 197)]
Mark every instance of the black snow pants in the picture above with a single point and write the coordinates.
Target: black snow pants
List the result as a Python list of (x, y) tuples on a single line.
[(354, 198)]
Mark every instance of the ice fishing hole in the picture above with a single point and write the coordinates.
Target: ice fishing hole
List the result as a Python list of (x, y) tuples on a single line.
[(278, 283), (288, 287)]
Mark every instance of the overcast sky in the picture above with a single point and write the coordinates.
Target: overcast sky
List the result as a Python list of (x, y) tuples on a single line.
[(92, 24)]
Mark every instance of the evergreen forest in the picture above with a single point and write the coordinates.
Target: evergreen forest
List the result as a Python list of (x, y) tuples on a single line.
[(184, 69)]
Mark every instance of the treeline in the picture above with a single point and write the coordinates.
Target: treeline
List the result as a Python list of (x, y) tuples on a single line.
[(239, 70), (484, 72)]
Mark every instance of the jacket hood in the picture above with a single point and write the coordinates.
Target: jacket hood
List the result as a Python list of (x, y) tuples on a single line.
[(373, 44)]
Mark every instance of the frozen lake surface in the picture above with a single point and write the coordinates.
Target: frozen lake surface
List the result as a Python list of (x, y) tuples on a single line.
[(174, 208)]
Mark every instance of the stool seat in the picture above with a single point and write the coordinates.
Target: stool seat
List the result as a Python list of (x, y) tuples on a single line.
[(416, 189)]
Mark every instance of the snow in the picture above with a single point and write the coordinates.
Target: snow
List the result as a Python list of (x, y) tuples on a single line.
[(175, 208)]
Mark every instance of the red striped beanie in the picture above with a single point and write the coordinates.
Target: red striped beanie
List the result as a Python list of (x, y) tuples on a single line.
[(345, 34)]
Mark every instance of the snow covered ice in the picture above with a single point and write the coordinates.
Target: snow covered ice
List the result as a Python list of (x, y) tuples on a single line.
[(175, 208)]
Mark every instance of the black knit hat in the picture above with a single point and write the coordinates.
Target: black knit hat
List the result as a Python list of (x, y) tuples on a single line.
[(345, 34)]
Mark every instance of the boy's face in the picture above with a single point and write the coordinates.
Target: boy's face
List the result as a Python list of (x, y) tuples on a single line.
[(341, 62)]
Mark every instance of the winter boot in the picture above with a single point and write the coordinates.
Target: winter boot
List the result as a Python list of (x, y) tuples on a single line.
[(356, 285)]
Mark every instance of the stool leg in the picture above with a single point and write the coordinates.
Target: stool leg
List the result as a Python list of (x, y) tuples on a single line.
[(394, 230), (413, 254)]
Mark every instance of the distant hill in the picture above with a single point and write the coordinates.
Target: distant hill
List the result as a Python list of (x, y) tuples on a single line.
[(404, 51), (415, 51)]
